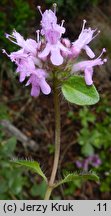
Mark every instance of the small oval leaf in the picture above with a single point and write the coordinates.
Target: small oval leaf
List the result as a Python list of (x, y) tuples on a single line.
[(76, 91), (32, 165)]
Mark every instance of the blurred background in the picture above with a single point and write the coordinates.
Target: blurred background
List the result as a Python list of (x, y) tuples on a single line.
[(27, 125)]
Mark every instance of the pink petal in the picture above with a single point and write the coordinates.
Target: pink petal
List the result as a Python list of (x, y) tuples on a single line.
[(56, 57), (89, 52), (30, 63), (48, 18), (45, 88), (19, 38), (88, 76), (35, 91), (45, 52), (52, 36), (61, 29), (22, 76), (30, 45), (41, 73)]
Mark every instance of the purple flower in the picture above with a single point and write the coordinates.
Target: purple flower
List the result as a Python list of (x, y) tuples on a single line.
[(83, 164), (87, 67), (95, 160), (25, 67), (48, 17), (92, 160), (29, 45), (16, 38), (49, 21), (52, 32), (85, 37), (54, 48), (24, 62), (28, 64), (38, 82)]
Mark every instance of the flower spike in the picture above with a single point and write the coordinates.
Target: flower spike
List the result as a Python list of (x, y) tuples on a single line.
[(34, 57)]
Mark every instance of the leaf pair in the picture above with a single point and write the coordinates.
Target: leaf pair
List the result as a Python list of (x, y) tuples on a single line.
[(35, 167)]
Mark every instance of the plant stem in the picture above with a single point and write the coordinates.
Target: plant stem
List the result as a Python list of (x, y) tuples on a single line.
[(57, 138)]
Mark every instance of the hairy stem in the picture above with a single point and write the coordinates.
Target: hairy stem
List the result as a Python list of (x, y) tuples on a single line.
[(57, 138)]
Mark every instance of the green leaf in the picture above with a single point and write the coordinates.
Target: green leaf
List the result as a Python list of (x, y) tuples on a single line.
[(87, 149), (76, 91), (33, 165), (75, 176), (8, 147), (3, 111), (39, 190), (3, 186)]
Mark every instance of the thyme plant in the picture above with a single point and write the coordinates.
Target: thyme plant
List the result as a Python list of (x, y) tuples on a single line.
[(55, 58)]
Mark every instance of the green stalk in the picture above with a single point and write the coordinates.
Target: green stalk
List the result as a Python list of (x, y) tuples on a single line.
[(57, 138)]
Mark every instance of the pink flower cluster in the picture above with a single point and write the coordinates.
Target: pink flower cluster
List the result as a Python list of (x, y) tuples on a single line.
[(28, 63), (35, 59)]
